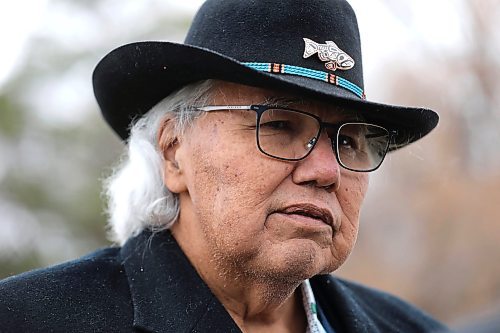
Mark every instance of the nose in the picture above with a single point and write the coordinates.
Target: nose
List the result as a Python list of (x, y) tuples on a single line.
[(320, 167)]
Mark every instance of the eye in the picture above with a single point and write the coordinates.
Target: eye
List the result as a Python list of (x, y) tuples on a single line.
[(278, 125), (346, 142)]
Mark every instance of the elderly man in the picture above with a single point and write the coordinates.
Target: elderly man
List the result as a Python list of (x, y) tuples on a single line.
[(249, 149)]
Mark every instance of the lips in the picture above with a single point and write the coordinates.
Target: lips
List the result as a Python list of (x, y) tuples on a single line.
[(311, 211)]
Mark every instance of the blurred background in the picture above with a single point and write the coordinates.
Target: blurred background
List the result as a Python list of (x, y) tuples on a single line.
[(430, 229)]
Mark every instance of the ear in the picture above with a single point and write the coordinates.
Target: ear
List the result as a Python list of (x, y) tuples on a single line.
[(171, 149)]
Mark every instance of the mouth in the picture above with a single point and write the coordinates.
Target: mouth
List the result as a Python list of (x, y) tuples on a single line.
[(312, 212)]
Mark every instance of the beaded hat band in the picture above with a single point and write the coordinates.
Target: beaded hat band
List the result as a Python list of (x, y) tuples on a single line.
[(307, 72)]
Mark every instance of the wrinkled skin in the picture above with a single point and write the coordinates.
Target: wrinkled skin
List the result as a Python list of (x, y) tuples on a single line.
[(229, 192)]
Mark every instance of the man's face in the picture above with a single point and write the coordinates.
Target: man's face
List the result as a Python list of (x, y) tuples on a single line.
[(256, 215)]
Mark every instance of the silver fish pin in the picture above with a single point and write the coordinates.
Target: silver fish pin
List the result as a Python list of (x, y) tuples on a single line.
[(337, 59)]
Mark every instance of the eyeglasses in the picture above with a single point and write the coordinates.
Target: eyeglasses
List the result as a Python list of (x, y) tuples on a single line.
[(291, 135)]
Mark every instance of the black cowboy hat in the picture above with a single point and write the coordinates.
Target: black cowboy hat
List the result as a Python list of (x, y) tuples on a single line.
[(309, 48)]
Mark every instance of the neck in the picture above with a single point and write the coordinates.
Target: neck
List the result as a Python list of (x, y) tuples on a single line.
[(251, 299), (256, 303), (261, 314)]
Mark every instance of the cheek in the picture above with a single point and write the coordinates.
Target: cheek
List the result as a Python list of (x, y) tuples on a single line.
[(352, 193), (229, 178), (350, 196), (230, 192)]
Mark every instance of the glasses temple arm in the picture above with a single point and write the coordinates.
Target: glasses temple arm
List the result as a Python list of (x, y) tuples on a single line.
[(224, 107)]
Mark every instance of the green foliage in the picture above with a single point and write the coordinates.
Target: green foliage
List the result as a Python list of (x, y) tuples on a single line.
[(12, 118), (16, 264)]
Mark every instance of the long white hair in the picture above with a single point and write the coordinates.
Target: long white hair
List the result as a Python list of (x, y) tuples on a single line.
[(136, 196)]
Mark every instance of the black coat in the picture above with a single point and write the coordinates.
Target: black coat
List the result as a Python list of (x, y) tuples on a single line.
[(149, 285)]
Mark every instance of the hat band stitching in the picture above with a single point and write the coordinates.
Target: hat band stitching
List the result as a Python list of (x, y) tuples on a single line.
[(307, 72)]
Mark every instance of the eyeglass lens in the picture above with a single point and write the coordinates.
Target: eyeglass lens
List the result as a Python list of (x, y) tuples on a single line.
[(287, 134)]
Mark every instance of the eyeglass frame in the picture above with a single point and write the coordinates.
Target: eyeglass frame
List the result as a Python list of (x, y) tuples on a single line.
[(260, 109)]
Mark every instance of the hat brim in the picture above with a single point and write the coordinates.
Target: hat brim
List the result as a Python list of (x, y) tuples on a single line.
[(133, 78)]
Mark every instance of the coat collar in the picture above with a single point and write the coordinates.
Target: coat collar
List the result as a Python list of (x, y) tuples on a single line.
[(167, 292), (344, 310)]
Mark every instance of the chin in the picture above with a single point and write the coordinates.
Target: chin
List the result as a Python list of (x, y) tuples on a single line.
[(303, 261)]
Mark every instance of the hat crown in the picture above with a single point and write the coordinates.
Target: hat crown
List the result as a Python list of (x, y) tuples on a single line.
[(276, 44), (274, 31)]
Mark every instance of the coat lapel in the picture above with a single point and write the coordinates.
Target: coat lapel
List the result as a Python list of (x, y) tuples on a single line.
[(344, 310), (167, 292)]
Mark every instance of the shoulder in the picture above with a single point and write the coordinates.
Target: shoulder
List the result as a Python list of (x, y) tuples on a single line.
[(91, 290), (377, 310)]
